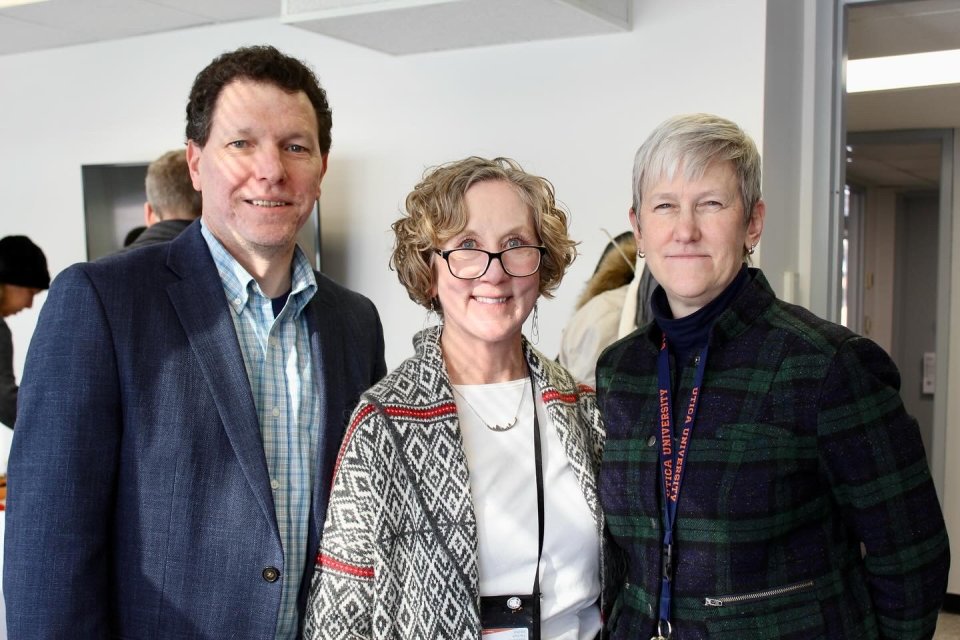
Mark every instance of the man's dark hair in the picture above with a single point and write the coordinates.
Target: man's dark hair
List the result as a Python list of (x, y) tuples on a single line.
[(260, 64)]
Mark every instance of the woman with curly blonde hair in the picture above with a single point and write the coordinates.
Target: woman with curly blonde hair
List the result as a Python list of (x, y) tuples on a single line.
[(464, 500)]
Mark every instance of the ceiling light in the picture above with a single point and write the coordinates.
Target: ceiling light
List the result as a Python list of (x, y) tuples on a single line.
[(903, 72), (6, 4)]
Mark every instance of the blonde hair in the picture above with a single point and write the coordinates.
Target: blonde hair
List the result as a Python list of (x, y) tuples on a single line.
[(435, 212), (169, 188)]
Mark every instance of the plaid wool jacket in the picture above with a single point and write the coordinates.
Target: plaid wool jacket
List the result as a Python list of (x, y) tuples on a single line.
[(807, 510)]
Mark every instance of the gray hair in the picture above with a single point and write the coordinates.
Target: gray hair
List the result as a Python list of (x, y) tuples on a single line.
[(692, 143)]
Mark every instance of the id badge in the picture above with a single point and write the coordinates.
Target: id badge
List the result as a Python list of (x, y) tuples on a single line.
[(506, 634), (510, 617)]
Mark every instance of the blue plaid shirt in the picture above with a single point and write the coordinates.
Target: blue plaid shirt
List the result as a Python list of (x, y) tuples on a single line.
[(276, 354)]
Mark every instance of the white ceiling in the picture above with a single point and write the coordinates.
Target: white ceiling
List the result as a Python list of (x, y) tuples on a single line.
[(874, 29), (400, 26), (887, 29), (61, 23)]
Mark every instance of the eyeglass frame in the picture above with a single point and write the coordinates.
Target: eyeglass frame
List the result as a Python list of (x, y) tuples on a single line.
[(445, 254)]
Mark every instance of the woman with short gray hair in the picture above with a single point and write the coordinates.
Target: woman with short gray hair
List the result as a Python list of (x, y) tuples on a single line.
[(760, 472)]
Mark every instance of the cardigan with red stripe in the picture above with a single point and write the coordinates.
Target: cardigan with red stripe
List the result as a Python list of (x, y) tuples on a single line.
[(399, 551)]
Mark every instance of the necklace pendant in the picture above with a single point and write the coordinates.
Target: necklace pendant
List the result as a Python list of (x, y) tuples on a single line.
[(497, 427)]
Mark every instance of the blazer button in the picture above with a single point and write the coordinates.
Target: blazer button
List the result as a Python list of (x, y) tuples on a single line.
[(271, 574), (652, 440)]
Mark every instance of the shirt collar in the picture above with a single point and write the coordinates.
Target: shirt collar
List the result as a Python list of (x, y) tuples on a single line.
[(239, 285)]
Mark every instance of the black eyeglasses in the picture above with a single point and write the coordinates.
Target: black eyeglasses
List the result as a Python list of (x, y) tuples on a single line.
[(470, 264)]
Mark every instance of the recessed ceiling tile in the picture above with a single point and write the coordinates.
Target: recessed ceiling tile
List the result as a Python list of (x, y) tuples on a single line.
[(104, 19), (226, 10), (17, 36)]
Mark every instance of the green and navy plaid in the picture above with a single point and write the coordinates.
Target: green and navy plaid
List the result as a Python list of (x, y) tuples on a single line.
[(276, 354), (807, 510)]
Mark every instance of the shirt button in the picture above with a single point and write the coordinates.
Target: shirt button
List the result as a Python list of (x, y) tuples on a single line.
[(652, 440), (271, 574), (276, 412), (275, 484)]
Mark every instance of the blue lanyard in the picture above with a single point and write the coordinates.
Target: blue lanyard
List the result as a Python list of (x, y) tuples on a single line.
[(673, 455)]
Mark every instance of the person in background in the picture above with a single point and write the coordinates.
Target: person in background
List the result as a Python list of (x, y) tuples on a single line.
[(182, 404), (760, 474), (614, 303), (172, 201), (23, 274), (433, 528), (132, 235)]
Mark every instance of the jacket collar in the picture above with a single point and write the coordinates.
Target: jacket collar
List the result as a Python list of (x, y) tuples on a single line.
[(743, 310)]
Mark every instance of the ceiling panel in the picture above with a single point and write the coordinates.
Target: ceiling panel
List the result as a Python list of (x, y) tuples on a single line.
[(903, 27), (58, 23), (225, 10), (413, 26), (911, 166), (17, 36), (921, 108)]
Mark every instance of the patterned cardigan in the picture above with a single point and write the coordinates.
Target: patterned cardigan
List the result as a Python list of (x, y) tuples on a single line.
[(801, 456), (399, 551)]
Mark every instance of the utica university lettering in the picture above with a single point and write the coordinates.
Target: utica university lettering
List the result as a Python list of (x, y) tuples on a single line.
[(665, 439), (674, 491), (668, 476), (692, 406)]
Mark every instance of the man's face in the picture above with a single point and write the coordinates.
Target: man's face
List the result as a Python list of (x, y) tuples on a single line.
[(259, 171)]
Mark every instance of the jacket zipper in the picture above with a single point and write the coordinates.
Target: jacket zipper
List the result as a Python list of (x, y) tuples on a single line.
[(758, 595)]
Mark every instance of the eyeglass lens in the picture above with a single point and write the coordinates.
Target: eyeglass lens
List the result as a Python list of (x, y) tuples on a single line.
[(473, 263)]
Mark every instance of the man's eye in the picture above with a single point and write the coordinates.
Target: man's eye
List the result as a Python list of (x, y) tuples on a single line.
[(711, 205), (238, 144), (296, 148), (663, 206)]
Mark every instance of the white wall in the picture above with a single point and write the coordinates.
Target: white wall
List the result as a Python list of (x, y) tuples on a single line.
[(951, 481), (880, 220), (572, 110)]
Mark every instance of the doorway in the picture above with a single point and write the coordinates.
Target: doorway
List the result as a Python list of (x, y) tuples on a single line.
[(906, 136), (898, 205)]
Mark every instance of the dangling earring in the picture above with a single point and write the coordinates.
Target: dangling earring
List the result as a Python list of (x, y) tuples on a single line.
[(535, 325), (752, 248), (434, 310), (641, 254)]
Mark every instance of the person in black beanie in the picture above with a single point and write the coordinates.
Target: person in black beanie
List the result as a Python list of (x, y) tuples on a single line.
[(23, 274)]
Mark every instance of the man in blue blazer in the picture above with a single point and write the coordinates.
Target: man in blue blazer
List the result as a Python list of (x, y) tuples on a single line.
[(182, 404)]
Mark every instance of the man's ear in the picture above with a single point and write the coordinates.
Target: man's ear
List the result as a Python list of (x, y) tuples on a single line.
[(150, 215), (323, 171), (194, 151)]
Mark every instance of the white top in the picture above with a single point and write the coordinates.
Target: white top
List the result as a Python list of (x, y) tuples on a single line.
[(504, 491)]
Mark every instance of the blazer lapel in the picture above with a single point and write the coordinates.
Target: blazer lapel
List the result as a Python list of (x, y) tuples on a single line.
[(325, 338), (201, 305)]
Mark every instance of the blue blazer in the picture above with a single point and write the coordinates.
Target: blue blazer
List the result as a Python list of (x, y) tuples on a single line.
[(139, 503)]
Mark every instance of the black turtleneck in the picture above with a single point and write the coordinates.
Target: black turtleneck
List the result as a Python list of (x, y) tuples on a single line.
[(688, 335)]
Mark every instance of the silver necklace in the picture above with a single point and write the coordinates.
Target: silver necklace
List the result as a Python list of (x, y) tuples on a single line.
[(495, 427)]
